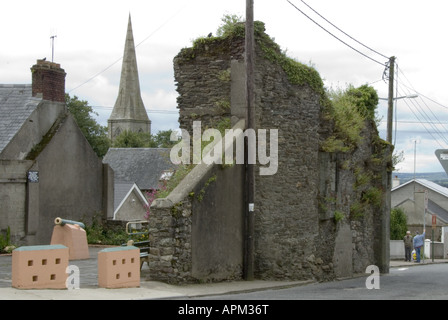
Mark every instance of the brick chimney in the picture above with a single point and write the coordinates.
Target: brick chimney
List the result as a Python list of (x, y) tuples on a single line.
[(48, 81)]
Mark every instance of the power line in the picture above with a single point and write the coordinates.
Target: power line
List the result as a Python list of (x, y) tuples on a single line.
[(384, 56), (421, 96), (150, 111), (421, 110), (333, 35), (410, 87), (96, 75), (420, 113), (415, 122), (428, 131)]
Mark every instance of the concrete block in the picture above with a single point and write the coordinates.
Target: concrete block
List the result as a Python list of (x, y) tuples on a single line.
[(40, 267), (119, 267), (74, 237)]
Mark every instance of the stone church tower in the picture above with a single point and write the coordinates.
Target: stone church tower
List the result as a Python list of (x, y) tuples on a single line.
[(129, 112)]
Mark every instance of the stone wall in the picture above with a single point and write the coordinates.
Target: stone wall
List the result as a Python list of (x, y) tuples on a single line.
[(196, 233), (170, 236), (321, 215), (204, 81)]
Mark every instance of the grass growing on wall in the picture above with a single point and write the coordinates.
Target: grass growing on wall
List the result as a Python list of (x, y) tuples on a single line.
[(349, 110), (297, 72), (348, 123), (233, 28)]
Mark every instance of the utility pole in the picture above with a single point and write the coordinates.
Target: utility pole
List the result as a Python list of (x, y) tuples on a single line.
[(383, 257), (390, 111), (250, 167)]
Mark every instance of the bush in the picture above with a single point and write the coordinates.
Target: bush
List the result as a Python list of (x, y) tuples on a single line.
[(398, 224), (98, 234), (5, 241)]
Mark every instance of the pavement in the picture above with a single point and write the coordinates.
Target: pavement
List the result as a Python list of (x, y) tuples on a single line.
[(402, 264), (148, 289)]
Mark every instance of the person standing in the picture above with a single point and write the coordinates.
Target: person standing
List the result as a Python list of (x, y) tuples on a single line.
[(408, 242), (419, 241)]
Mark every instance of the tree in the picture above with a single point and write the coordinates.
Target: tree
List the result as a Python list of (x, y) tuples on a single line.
[(228, 25), (365, 98), (129, 139), (398, 224), (95, 134), (163, 139)]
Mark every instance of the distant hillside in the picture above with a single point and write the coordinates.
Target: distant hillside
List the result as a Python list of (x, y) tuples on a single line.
[(440, 178)]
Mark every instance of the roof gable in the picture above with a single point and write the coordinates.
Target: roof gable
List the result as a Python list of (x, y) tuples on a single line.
[(135, 190), (427, 184)]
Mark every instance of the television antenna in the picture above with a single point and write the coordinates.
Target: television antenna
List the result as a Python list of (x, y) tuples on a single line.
[(52, 47)]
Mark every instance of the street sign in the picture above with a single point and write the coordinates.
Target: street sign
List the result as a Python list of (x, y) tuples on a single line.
[(434, 221)]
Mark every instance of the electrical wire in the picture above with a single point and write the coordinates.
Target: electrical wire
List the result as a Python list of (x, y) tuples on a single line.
[(384, 56), (422, 99), (419, 108), (96, 75), (150, 111), (426, 129), (414, 122), (333, 35), (410, 87), (419, 112)]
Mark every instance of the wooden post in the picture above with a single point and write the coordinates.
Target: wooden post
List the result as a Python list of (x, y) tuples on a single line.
[(250, 169), (390, 111)]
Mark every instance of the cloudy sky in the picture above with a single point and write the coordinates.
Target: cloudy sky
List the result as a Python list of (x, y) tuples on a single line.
[(91, 34)]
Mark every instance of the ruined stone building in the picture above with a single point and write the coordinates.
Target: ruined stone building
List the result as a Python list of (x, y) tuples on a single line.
[(47, 167), (322, 215), (129, 112)]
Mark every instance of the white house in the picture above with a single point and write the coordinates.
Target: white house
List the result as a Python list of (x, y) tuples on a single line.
[(410, 196), (421, 200)]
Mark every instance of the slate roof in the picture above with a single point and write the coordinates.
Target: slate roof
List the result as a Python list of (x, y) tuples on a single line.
[(16, 105), (437, 210), (142, 166), (121, 189), (432, 206), (427, 184)]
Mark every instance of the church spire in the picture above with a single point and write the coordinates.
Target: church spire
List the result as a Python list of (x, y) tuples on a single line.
[(129, 111)]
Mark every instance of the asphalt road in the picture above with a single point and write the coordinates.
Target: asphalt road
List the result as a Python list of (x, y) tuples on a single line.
[(422, 282)]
